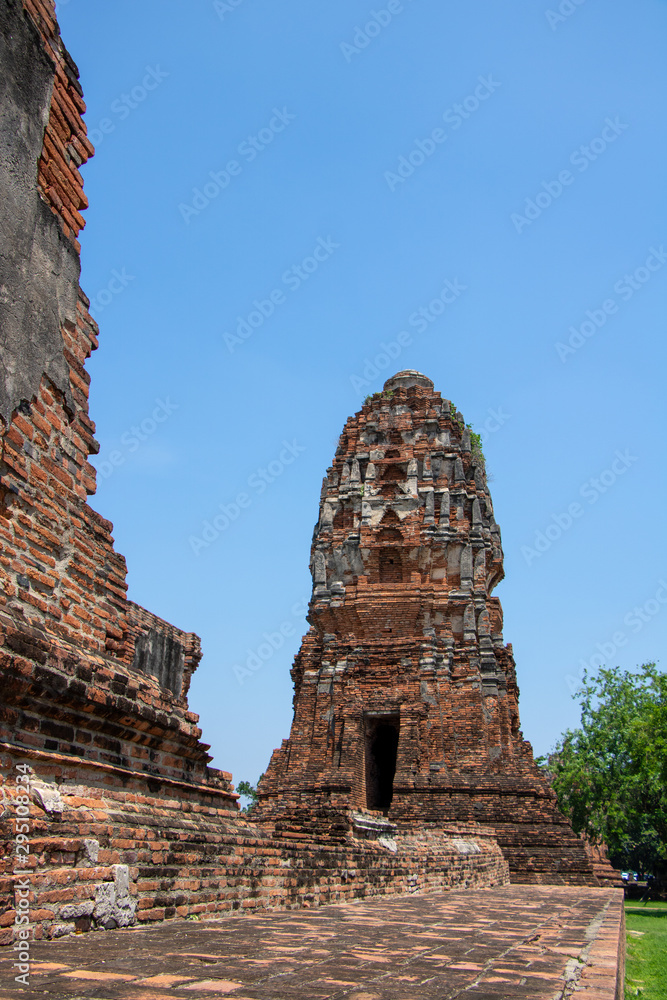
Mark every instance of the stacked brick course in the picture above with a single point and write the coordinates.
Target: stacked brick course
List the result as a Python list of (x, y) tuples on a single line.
[(106, 852), (128, 822), (406, 700)]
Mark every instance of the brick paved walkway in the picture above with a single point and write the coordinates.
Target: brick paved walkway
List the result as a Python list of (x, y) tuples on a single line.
[(492, 944)]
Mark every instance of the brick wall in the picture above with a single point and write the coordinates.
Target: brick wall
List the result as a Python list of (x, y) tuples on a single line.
[(108, 847), (66, 144)]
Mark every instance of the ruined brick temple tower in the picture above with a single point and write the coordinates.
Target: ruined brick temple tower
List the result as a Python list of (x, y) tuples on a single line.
[(405, 769), (406, 700)]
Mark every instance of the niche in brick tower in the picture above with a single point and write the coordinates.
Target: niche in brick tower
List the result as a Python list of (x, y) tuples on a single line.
[(390, 565)]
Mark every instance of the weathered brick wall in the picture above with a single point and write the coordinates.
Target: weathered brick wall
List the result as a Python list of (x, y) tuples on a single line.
[(58, 568), (70, 638), (66, 144), (110, 848), (60, 699)]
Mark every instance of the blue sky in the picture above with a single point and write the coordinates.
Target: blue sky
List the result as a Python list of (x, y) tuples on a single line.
[(278, 190)]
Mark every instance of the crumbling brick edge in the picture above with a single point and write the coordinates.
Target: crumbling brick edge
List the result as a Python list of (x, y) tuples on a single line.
[(98, 767), (602, 977)]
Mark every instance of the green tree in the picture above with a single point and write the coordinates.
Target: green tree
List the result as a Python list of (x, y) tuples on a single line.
[(248, 791), (610, 775)]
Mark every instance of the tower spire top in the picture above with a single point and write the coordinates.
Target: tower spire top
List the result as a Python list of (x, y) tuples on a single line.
[(407, 378)]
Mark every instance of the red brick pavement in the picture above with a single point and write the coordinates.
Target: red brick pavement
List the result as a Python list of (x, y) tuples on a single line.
[(488, 944)]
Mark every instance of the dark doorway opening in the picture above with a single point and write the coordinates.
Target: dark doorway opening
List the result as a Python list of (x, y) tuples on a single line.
[(381, 749)]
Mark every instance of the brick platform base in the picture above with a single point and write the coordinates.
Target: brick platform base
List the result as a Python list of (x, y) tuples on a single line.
[(537, 942), (106, 850)]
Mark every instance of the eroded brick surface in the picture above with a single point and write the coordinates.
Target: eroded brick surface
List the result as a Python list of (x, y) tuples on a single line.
[(66, 143), (533, 942)]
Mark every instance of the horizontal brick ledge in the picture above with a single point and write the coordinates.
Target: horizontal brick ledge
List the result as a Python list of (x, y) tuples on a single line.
[(124, 772)]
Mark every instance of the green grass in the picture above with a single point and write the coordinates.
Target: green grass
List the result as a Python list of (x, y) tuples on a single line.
[(646, 968)]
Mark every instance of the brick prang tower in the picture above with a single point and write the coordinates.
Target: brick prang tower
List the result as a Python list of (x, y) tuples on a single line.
[(406, 701)]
